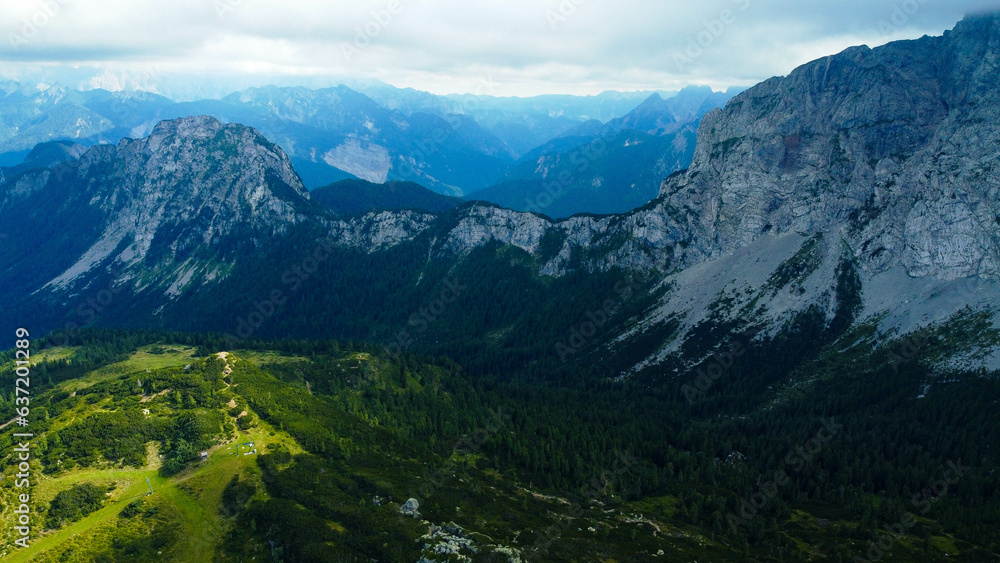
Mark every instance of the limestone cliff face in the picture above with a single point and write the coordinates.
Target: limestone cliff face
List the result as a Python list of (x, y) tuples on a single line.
[(197, 167), (896, 148), (379, 230), (193, 189), (888, 158)]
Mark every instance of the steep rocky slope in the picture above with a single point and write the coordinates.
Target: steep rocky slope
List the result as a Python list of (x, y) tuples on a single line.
[(178, 206), (894, 147), (889, 153)]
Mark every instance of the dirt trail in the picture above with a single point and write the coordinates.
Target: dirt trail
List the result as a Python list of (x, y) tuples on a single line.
[(148, 398), (224, 356), (8, 423)]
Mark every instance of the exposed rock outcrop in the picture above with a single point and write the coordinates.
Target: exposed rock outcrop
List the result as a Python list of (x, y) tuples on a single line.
[(193, 189), (894, 147)]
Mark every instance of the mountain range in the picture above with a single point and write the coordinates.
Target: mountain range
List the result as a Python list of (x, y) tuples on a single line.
[(826, 244), (899, 191), (452, 145)]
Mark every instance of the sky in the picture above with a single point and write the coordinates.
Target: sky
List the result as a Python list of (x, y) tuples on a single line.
[(191, 48)]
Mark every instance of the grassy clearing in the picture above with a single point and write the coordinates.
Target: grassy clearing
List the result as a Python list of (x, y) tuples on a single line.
[(195, 493), (52, 354), (260, 358), (188, 502), (131, 484), (151, 357)]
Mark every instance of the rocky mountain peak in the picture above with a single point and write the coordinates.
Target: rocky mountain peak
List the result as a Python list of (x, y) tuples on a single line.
[(888, 146), (889, 151), (197, 160), (195, 191)]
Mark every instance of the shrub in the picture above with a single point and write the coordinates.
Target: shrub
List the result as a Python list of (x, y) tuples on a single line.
[(73, 504)]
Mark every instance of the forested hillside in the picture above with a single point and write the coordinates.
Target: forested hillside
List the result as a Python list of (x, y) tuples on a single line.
[(502, 469)]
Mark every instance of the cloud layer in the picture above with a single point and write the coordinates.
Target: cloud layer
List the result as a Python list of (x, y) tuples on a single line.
[(525, 46)]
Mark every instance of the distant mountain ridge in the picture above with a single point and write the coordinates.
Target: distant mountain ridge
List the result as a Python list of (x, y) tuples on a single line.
[(452, 145), (335, 133), (659, 116), (611, 167), (830, 229), (353, 197)]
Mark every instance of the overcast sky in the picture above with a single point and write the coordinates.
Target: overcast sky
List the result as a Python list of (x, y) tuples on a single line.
[(509, 47)]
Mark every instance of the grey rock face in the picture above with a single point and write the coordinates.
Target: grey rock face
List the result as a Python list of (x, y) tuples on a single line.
[(482, 224), (190, 186), (895, 149), (380, 229), (411, 508)]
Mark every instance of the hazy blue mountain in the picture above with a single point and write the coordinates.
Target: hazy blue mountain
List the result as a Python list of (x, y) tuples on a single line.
[(520, 123), (46, 155), (32, 115), (353, 136), (787, 354), (451, 144), (609, 174), (525, 123), (659, 116), (611, 167)]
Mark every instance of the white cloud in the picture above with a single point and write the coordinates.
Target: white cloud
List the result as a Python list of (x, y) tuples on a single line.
[(526, 46)]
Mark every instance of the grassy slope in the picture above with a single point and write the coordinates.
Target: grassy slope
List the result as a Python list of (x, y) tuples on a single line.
[(196, 492)]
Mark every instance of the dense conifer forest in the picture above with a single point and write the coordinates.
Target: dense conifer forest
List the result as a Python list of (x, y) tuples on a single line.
[(365, 427)]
